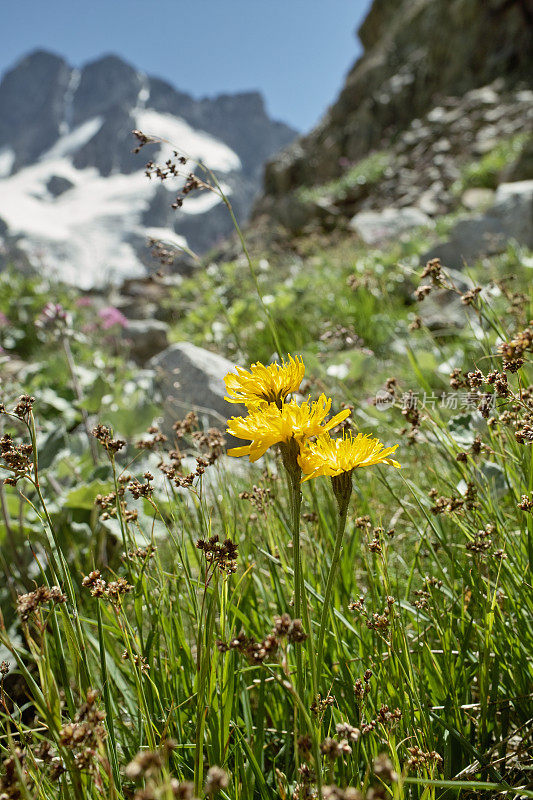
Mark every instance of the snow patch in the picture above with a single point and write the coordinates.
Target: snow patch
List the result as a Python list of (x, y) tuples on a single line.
[(88, 234), (204, 201), (75, 140), (73, 83), (144, 91), (83, 235), (179, 135), (7, 159), (165, 235)]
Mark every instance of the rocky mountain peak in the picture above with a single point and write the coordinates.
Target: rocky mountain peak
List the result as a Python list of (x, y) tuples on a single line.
[(32, 90), (105, 83), (74, 196)]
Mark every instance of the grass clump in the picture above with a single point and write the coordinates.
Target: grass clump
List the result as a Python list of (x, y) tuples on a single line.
[(215, 632), (485, 173), (175, 626), (358, 179)]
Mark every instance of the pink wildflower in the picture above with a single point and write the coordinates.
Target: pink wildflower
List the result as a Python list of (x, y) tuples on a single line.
[(111, 316), (52, 314)]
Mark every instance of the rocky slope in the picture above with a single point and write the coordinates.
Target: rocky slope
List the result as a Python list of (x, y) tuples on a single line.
[(417, 95), (73, 196)]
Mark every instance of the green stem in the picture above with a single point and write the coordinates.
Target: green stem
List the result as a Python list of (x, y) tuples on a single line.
[(342, 495), (310, 640), (54, 543), (296, 504)]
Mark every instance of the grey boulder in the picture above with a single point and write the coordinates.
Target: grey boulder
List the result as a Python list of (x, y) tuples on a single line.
[(375, 227), (509, 218), (192, 379), (442, 311), (146, 338)]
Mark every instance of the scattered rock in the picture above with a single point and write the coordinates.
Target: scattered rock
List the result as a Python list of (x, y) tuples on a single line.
[(427, 160), (486, 140), (375, 227), (58, 185), (443, 310), (476, 199), (146, 338), (192, 379), (483, 96), (436, 115), (522, 168), (428, 202), (442, 146), (514, 207), (406, 72), (441, 316), (510, 217), (137, 308)]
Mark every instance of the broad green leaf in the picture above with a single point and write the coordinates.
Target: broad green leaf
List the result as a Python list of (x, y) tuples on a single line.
[(84, 496)]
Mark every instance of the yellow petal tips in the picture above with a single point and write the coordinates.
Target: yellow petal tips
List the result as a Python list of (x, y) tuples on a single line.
[(327, 456), (270, 384)]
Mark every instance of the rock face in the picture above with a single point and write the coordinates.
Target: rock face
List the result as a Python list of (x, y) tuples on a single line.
[(32, 101), (75, 195), (57, 185), (415, 51), (105, 84), (452, 158), (192, 379), (439, 82)]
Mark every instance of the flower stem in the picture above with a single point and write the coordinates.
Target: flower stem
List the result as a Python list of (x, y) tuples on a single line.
[(342, 488), (289, 454), (296, 504)]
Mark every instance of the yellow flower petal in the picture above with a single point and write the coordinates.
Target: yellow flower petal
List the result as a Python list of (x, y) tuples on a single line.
[(270, 425), (327, 456), (239, 451), (271, 384)]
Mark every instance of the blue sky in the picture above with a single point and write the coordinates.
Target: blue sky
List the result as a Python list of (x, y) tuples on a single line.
[(296, 52)]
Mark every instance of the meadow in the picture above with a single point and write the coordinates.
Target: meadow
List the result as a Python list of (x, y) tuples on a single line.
[(177, 622)]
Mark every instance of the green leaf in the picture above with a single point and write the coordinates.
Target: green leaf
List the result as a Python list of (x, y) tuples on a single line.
[(130, 421), (85, 495), (93, 400), (50, 447)]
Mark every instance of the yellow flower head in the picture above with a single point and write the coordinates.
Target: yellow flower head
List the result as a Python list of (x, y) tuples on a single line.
[(269, 425), (269, 384), (327, 456)]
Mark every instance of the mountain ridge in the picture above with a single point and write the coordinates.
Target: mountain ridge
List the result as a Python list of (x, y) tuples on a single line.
[(61, 126)]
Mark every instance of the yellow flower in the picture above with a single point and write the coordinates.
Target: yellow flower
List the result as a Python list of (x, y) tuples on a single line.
[(271, 384), (327, 456), (269, 425)]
